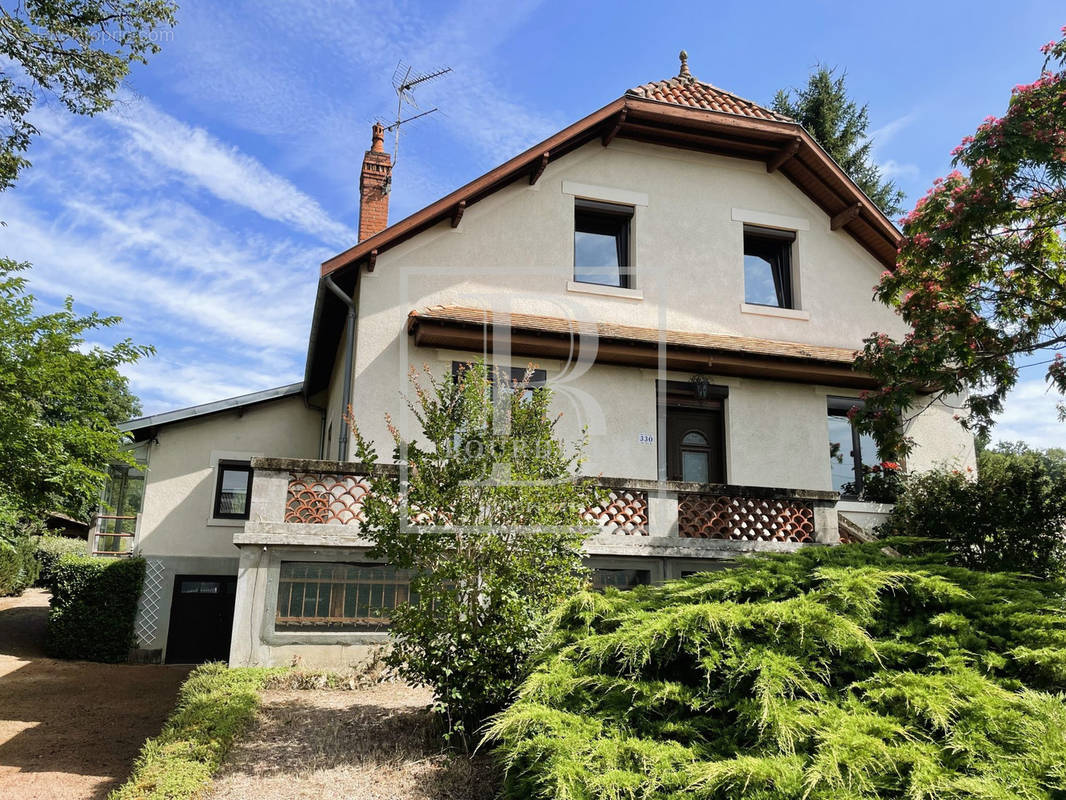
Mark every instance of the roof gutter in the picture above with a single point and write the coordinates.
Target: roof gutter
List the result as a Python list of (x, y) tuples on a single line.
[(349, 351)]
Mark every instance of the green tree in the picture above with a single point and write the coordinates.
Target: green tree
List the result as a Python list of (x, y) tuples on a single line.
[(60, 402), (840, 126), (487, 517), (78, 51), (981, 272), (1010, 516)]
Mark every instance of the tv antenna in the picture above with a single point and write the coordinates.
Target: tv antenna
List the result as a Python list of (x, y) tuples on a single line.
[(404, 81)]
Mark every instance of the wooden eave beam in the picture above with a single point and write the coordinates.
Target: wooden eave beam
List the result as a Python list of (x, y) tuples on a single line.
[(783, 155), (457, 215), (539, 167), (542, 344), (371, 260), (844, 217), (618, 123)]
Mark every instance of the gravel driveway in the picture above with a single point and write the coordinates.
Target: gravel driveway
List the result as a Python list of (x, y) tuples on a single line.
[(69, 730)]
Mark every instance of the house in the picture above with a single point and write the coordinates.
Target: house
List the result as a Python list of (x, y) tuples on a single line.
[(689, 271)]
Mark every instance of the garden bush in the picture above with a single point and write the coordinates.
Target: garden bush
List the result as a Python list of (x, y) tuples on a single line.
[(1011, 517), (18, 565), (832, 673), (94, 605), (48, 550)]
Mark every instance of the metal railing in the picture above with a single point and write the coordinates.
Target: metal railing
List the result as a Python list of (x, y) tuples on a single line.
[(116, 532)]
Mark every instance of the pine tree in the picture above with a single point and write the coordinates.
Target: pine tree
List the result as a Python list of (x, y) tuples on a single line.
[(840, 125)]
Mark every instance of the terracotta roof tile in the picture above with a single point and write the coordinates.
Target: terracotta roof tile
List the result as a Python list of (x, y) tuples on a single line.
[(769, 348), (686, 90)]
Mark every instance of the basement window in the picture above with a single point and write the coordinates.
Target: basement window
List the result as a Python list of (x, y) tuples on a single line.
[(768, 267), (233, 490), (329, 596), (601, 243), (621, 579)]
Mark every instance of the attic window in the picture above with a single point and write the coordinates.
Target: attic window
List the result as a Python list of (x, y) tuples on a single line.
[(601, 243), (768, 267)]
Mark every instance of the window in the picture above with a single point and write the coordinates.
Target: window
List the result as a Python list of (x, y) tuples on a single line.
[(508, 378), (768, 267), (620, 578), (850, 453), (339, 597), (601, 243), (233, 491)]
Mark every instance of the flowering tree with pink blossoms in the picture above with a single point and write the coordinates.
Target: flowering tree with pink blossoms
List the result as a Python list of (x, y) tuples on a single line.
[(980, 277)]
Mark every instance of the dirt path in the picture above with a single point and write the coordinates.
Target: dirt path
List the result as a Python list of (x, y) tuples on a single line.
[(373, 744), (69, 730)]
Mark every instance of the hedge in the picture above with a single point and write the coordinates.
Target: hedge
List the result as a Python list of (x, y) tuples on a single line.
[(48, 551), (215, 705), (94, 605), (18, 564), (844, 672)]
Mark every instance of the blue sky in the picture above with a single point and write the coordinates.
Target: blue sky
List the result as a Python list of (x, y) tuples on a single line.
[(200, 208)]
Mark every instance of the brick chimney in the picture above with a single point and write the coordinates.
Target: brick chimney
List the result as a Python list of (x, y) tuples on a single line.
[(374, 186)]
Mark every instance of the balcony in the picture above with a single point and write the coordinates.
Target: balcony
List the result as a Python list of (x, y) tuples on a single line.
[(319, 503)]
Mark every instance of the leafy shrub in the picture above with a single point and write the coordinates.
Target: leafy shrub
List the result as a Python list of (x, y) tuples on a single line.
[(1012, 517), (94, 605), (48, 550), (492, 533), (18, 566), (832, 673), (215, 705)]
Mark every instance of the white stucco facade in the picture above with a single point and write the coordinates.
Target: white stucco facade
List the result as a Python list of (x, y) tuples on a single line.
[(513, 251)]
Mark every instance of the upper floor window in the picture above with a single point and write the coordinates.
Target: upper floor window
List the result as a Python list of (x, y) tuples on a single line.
[(768, 267), (233, 490), (852, 455), (601, 243)]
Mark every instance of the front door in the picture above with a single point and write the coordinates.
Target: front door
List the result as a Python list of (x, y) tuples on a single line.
[(201, 618), (694, 445)]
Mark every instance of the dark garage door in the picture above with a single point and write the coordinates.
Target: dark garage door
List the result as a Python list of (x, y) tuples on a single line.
[(201, 618)]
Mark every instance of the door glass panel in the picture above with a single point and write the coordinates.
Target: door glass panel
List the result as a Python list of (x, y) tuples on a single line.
[(695, 439), (695, 466)]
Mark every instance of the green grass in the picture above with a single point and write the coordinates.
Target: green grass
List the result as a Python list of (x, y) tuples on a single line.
[(832, 674), (215, 705)]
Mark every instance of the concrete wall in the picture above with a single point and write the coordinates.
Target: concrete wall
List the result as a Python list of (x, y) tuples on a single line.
[(176, 533), (514, 250), (256, 643)]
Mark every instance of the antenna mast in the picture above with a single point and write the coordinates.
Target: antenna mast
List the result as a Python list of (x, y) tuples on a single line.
[(404, 81)]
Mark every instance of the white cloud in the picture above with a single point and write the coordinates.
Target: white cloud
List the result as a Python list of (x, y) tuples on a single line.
[(894, 169), (890, 167), (1030, 415), (224, 171)]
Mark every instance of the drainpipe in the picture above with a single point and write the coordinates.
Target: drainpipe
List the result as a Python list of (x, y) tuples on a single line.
[(349, 347)]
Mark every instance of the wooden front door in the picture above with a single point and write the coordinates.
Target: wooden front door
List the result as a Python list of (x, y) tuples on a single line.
[(201, 618), (694, 444)]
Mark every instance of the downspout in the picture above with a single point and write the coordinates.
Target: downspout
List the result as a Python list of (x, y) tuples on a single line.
[(349, 348)]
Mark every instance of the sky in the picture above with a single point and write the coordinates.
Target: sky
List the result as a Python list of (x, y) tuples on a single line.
[(200, 207)]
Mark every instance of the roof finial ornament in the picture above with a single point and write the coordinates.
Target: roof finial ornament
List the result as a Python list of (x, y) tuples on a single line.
[(684, 73)]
